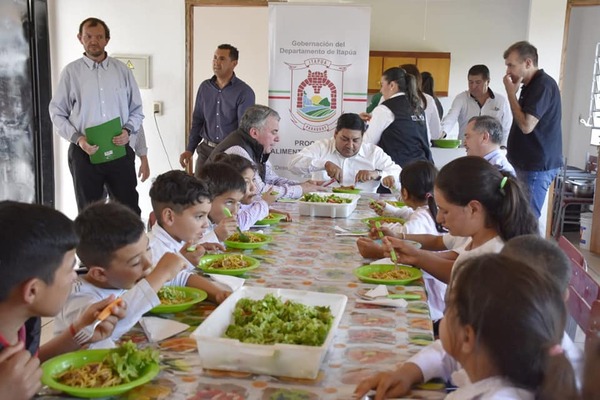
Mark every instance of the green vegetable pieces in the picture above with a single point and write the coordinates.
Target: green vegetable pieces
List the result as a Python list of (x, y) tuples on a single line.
[(128, 361), (270, 321), (332, 198)]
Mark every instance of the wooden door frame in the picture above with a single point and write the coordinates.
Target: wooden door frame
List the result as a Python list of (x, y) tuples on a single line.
[(595, 238), (190, 6)]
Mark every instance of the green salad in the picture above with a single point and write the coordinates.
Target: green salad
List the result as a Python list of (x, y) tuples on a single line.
[(171, 295), (271, 320), (332, 198), (128, 361)]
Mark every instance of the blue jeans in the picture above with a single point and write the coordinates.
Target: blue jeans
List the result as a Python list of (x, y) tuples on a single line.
[(538, 183)]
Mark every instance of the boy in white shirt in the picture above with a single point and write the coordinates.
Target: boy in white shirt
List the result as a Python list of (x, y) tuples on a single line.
[(181, 204), (115, 249)]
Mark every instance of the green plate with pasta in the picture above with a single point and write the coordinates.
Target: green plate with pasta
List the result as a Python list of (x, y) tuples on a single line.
[(388, 274), (178, 298), (55, 366), (228, 264), (383, 220), (271, 219), (257, 240)]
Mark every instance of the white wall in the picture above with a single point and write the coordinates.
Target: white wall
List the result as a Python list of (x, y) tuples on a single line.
[(584, 33), (473, 31), (546, 30)]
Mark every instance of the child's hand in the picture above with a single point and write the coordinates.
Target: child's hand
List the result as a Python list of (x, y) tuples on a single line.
[(166, 269), (20, 373), (270, 196), (377, 206), (288, 216), (106, 327), (368, 248), (213, 247), (225, 228), (192, 252), (221, 295), (387, 385)]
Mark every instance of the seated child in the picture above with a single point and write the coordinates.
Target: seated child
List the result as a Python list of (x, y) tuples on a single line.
[(253, 207), (417, 180), (181, 204), (37, 259), (508, 345), (227, 188), (115, 249)]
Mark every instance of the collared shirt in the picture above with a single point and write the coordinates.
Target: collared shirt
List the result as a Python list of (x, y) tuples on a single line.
[(91, 93), (499, 160), (162, 242), (369, 157), (217, 111), (286, 188), (464, 107), (248, 214)]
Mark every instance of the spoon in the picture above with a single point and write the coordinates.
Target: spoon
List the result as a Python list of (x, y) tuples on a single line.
[(243, 237)]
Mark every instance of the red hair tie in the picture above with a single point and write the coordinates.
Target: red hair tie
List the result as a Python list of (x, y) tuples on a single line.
[(555, 350)]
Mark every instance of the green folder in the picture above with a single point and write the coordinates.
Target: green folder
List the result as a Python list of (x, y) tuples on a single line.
[(102, 136)]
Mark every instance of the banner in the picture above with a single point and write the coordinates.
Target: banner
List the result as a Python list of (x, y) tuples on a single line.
[(319, 60)]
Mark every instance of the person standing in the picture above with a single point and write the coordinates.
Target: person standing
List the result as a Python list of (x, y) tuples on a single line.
[(478, 100), (93, 90), (535, 140), (220, 103)]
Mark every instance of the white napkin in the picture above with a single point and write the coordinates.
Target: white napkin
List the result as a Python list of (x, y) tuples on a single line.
[(230, 282), (157, 329), (339, 231), (384, 301), (377, 291)]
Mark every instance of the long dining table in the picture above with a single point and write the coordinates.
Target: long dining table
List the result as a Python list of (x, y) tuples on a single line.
[(305, 254)]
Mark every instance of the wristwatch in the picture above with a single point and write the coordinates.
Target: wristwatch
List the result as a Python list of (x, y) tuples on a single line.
[(128, 130)]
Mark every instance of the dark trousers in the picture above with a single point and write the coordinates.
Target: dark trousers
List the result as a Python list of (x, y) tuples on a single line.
[(90, 180), (204, 151)]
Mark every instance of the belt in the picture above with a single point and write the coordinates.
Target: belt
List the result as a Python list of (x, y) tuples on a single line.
[(209, 143)]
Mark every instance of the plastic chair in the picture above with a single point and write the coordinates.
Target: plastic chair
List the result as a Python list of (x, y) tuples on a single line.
[(583, 303)]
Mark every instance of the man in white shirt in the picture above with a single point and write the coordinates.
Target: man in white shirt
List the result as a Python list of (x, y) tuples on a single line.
[(478, 100), (482, 138), (348, 160)]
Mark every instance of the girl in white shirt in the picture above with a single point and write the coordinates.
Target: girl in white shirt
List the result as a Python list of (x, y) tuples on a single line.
[(477, 201), (416, 180), (509, 345)]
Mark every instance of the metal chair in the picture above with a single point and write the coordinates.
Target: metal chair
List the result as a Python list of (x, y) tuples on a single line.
[(564, 199)]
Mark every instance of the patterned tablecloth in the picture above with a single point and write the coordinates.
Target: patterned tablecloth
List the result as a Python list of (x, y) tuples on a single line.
[(305, 254)]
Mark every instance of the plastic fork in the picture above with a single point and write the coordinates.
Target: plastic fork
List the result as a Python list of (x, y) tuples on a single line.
[(393, 255), (243, 237), (87, 332)]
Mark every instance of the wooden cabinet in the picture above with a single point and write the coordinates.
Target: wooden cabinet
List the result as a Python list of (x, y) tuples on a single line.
[(438, 64)]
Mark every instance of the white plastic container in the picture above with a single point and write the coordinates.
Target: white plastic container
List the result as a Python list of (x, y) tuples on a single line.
[(295, 361), (585, 230), (329, 209)]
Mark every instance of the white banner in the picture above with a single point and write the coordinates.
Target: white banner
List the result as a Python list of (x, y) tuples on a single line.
[(319, 69)]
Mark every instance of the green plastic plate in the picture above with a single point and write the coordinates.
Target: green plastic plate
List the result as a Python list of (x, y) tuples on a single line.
[(247, 246), (364, 274), (271, 221), (206, 261), (56, 365), (349, 191), (192, 294), (446, 143), (389, 220)]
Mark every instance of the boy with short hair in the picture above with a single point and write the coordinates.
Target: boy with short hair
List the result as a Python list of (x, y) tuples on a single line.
[(228, 188), (37, 256), (115, 249), (181, 204)]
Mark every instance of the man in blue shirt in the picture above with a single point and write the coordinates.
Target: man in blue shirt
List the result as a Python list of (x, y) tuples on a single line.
[(93, 90), (220, 103), (535, 140)]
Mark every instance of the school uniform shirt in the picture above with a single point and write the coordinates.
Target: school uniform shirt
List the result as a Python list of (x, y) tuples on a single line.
[(420, 221), (370, 157), (140, 299), (248, 214), (162, 242), (495, 388), (210, 236), (494, 245)]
